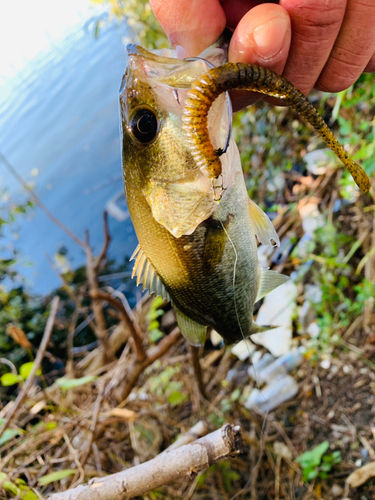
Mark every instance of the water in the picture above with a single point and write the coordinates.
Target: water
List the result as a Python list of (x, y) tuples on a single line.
[(61, 117)]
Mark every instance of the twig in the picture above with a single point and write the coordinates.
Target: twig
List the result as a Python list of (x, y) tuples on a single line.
[(37, 200), (107, 240), (70, 342), (38, 360), (166, 467), (194, 353), (137, 367), (5, 361), (74, 455), (200, 429), (99, 321), (94, 422), (127, 316)]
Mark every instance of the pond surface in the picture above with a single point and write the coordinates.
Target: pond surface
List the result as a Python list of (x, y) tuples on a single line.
[(59, 128)]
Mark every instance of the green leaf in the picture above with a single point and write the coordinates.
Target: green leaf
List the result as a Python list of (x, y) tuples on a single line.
[(175, 398), (9, 434), (235, 394), (155, 335), (26, 493), (11, 487), (55, 476), (153, 325), (313, 457), (51, 425), (10, 379), (345, 126), (26, 368), (29, 495), (326, 466), (71, 383), (8, 485)]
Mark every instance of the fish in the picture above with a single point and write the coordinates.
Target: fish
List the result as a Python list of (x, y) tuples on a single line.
[(198, 252), (197, 228)]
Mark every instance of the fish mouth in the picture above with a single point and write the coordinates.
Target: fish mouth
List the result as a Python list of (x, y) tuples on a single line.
[(163, 67), (136, 50)]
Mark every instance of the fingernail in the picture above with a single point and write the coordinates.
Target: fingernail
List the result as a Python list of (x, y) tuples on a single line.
[(269, 37)]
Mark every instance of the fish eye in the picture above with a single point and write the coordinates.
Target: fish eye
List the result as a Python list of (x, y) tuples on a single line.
[(144, 125)]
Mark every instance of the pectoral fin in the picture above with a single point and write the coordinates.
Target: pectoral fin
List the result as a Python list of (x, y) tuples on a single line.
[(269, 280), (193, 332), (262, 225), (264, 328), (147, 275)]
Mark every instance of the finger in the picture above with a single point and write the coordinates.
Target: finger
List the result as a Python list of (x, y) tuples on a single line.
[(236, 9), (370, 68), (262, 37), (353, 48), (190, 24), (315, 26)]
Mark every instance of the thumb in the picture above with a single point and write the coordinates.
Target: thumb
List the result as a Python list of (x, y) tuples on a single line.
[(262, 37)]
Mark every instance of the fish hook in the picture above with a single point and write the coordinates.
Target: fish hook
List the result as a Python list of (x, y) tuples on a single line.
[(219, 151)]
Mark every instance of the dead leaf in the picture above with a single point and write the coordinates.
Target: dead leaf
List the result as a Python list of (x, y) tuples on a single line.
[(361, 475), (123, 413), (18, 336)]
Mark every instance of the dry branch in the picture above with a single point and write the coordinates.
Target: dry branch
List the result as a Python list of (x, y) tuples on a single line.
[(127, 317), (199, 430), (166, 467), (99, 321), (137, 367), (194, 354), (38, 360), (107, 241)]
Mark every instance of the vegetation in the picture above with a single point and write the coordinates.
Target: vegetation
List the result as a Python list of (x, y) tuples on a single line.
[(139, 17)]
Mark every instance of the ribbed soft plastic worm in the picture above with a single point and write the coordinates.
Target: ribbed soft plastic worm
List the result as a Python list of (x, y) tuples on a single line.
[(243, 76)]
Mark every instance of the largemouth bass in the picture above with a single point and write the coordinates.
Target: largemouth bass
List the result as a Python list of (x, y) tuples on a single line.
[(195, 223)]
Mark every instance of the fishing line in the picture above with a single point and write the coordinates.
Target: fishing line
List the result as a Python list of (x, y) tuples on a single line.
[(234, 282), (239, 323)]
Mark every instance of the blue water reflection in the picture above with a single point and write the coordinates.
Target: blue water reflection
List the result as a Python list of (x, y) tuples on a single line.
[(61, 117)]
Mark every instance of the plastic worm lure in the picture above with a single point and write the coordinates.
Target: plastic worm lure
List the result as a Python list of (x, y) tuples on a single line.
[(243, 76)]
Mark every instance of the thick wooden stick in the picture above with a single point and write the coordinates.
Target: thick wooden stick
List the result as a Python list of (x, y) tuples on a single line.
[(166, 467)]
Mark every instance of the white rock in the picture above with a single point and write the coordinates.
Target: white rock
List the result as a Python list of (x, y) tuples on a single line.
[(216, 338), (317, 161), (313, 330), (278, 309), (243, 349), (326, 363)]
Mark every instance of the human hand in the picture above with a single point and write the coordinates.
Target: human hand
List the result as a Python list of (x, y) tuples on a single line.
[(313, 43)]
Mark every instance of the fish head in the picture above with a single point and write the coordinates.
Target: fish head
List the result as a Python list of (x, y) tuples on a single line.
[(157, 162)]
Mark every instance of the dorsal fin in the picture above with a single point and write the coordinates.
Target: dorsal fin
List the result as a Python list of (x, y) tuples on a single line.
[(262, 226), (147, 275), (193, 332), (269, 280)]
